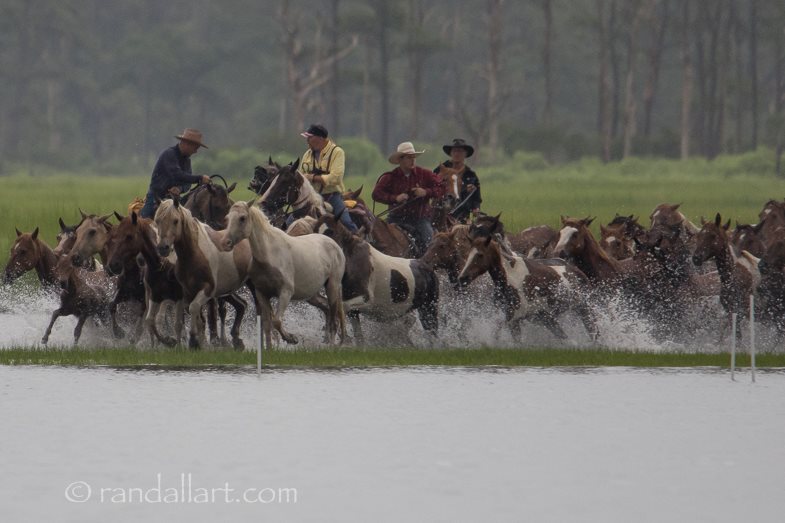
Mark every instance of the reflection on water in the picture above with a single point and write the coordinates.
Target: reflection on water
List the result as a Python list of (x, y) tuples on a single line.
[(392, 444)]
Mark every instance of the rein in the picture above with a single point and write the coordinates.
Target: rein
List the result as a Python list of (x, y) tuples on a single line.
[(399, 206)]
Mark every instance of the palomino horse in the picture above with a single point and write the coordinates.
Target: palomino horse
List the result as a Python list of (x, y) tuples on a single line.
[(30, 252), (452, 183), (84, 294), (134, 241), (91, 235), (618, 237), (528, 289), (203, 270), (578, 246), (383, 287), (738, 275), (287, 267)]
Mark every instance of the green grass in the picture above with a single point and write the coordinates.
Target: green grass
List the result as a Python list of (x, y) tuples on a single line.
[(372, 357)]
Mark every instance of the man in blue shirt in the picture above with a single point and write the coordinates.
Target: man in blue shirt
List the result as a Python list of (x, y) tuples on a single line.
[(172, 172)]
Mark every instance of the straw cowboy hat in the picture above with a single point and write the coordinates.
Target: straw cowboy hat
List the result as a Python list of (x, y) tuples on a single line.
[(404, 149), (461, 144), (193, 136)]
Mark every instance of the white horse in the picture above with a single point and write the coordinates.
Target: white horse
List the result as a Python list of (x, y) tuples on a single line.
[(288, 267), (203, 270)]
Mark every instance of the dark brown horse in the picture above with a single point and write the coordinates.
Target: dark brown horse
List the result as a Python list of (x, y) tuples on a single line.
[(618, 237), (30, 252), (210, 203), (132, 249), (737, 274), (771, 289), (747, 238), (534, 242)]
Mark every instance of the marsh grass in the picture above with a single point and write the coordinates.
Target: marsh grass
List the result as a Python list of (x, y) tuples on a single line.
[(375, 357)]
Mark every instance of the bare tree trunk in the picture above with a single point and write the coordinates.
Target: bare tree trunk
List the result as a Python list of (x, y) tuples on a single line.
[(365, 124), (547, 116), (615, 70), (686, 82), (384, 73), (655, 61), (630, 102), (335, 77), (754, 72), (737, 144), (416, 62), (495, 19), (603, 88)]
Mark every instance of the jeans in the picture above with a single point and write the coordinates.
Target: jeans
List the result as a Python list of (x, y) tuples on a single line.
[(422, 228), (339, 208)]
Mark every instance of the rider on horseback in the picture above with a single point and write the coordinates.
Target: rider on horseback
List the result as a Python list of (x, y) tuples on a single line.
[(323, 164), (408, 189), (172, 172), (469, 198)]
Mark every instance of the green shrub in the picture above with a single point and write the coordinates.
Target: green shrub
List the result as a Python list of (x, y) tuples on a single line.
[(529, 161)]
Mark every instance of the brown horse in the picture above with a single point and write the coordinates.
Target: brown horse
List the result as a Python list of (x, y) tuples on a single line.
[(771, 290), (452, 183), (84, 294), (91, 235), (528, 289), (534, 242), (448, 251), (738, 276), (748, 238), (133, 243), (30, 252), (618, 237), (578, 246), (210, 203)]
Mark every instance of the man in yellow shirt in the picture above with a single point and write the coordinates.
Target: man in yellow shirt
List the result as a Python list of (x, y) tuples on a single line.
[(323, 164)]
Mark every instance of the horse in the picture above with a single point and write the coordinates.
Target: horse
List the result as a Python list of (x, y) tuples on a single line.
[(770, 218), (771, 289), (534, 242), (262, 176), (452, 184), (209, 203), (29, 252), (287, 267), (527, 289), (668, 214), (617, 238), (448, 251), (203, 270), (383, 287), (577, 245), (84, 294), (291, 188), (746, 237), (738, 276), (91, 236)]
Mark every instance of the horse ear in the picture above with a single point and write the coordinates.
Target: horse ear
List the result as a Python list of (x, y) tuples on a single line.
[(134, 217), (251, 202), (717, 220), (563, 219), (270, 160), (176, 202), (675, 206), (231, 187), (35, 234), (703, 221), (82, 213), (603, 230), (587, 221), (117, 215), (727, 225), (296, 164), (103, 218), (18, 232)]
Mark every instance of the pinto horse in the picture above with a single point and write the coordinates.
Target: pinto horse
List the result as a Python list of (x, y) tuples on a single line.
[(287, 267), (578, 246), (528, 289), (738, 275), (291, 188), (203, 270)]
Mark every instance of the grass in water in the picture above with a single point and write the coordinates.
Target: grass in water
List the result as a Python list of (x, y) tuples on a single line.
[(375, 357)]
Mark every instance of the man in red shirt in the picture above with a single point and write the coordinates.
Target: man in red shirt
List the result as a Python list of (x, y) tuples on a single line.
[(408, 190)]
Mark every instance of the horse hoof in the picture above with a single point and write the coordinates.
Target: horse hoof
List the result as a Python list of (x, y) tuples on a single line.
[(193, 343), (238, 344), (118, 334), (45, 339), (290, 339)]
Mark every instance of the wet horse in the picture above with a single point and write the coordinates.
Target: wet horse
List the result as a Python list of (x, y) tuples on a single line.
[(618, 237), (448, 251), (30, 252), (578, 246), (203, 270), (288, 268), (528, 289), (738, 275)]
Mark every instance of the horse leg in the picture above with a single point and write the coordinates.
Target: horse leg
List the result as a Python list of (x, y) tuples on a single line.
[(357, 330), (78, 329), (149, 321), (552, 324), (56, 314), (283, 302), (117, 332), (212, 321), (196, 338), (266, 312), (239, 306), (589, 322), (336, 319), (222, 317), (179, 320)]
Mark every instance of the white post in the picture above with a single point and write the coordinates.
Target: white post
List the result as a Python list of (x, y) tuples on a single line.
[(752, 336), (259, 345), (733, 347)]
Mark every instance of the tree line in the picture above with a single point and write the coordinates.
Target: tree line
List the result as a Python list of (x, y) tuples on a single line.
[(109, 81)]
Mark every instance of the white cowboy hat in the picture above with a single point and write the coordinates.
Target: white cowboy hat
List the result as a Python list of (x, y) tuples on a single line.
[(404, 149)]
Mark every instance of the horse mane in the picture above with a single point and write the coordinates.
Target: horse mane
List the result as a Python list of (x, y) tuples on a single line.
[(167, 209), (312, 196)]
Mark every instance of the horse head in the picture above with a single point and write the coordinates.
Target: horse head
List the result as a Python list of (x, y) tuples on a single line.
[(91, 237), (171, 219), (125, 241), (25, 255), (711, 241), (262, 176), (284, 188), (574, 237)]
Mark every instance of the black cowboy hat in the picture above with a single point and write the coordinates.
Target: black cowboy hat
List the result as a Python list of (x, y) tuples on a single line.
[(459, 142)]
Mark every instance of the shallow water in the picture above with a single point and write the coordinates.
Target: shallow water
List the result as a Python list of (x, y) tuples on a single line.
[(424, 444)]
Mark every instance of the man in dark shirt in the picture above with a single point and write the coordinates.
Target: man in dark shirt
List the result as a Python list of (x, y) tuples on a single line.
[(172, 172), (470, 199)]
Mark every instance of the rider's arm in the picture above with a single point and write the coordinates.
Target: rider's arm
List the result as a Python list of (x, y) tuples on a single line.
[(381, 193), (175, 174), (433, 186), (337, 166)]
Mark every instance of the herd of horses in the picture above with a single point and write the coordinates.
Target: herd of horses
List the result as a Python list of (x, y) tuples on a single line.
[(203, 251)]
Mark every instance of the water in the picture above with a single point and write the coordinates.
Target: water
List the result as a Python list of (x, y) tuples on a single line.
[(422, 444)]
